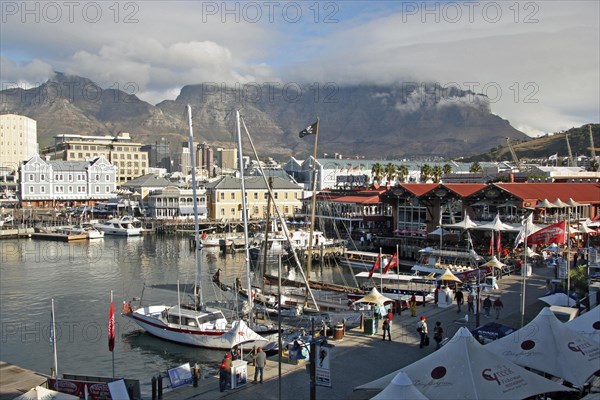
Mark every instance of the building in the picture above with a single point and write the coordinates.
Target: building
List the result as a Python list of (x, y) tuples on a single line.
[(227, 158), (142, 186), (175, 203), (18, 141), (204, 158), (159, 154), (46, 183), (224, 197), (127, 156)]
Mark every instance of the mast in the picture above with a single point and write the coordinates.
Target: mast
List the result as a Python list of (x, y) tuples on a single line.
[(313, 208), (53, 339), (245, 219), (198, 297)]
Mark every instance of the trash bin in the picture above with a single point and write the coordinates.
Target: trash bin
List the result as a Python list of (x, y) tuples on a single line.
[(338, 332), (369, 326)]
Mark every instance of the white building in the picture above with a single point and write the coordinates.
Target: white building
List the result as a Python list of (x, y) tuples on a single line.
[(172, 202), (18, 140), (46, 182)]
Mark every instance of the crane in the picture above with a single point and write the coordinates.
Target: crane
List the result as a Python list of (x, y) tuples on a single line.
[(514, 155), (592, 147), (571, 162)]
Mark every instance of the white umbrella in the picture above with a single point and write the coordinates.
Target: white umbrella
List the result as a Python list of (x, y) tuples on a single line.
[(465, 369), (374, 297), (587, 324), (547, 345), (466, 223), (401, 387), (544, 204), (558, 299), (495, 225), (493, 262), (39, 393), (448, 276)]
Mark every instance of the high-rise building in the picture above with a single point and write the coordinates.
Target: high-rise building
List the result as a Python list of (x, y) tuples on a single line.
[(159, 154), (204, 158), (227, 158), (18, 140)]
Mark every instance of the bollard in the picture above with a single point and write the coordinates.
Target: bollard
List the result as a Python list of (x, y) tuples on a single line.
[(153, 388), (160, 388)]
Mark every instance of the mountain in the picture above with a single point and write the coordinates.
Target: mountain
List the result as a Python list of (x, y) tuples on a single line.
[(360, 120)]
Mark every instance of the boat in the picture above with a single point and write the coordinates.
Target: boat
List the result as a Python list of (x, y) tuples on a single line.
[(194, 324), (465, 265), (88, 230), (121, 226), (363, 259)]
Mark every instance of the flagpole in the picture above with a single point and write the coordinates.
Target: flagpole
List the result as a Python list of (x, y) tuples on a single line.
[(567, 232), (313, 210), (112, 351), (524, 275), (54, 346), (380, 271)]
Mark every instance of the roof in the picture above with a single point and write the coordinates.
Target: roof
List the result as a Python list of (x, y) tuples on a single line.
[(587, 193), (419, 189), (252, 183), (357, 199), (465, 189), (149, 180)]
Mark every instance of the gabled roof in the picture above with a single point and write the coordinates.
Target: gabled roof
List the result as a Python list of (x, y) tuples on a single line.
[(588, 193), (149, 180), (419, 189), (252, 183), (465, 189), (357, 199)]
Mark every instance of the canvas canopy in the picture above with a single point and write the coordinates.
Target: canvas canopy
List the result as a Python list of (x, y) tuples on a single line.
[(492, 331), (374, 297), (401, 387), (544, 204), (558, 299), (466, 223), (572, 357), (465, 369), (494, 263), (448, 276), (39, 393), (495, 225), (587, 324)]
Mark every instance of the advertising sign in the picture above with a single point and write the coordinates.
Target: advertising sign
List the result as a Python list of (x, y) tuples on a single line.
[(323, 372), (180, 376)]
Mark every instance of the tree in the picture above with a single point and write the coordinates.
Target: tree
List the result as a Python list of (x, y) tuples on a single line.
[(426, 172), (475, 167), (377, 172), (403, 173), (390, 172), (447, 169), (436, 173), (594, 166)]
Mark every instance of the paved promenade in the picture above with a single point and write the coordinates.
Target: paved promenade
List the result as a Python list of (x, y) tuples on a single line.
[(358, 358)]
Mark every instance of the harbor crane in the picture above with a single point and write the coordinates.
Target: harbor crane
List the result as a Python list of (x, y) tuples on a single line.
[(592, 147), (571, 161), (514, 155)]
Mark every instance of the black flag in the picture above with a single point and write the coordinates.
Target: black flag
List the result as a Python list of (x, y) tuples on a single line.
[(309, 130)]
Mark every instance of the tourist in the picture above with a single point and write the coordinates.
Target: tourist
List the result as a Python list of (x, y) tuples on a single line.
[(487, 306), (436, 295), (386, 328), (498, 306), (422, 329), (471, 301), (260, 360), (390, 316), (438, 334), (413, 305), (459, 298), (225, 372)]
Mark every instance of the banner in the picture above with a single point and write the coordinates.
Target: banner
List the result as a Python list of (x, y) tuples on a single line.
[(555, 233), (323, 372), (96, 390), (181, 375)]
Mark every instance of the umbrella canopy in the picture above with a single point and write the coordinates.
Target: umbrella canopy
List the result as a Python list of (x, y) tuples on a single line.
[(560, 204), (585, 229), (495, 225), (448, 276), (466, 223), (552, 247), (573, 203), (493, 262), (374, 297), (39, 393), (547, 345), (492, 331), (544, 204), (587, 324), (401, 387), (464, 369), (558, 299)]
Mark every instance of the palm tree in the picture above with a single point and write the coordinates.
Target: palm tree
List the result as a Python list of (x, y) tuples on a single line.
[(426, 172), (447, 169), (390, 172), (436, 173), (402, 173), (475, 167), (377, 172)]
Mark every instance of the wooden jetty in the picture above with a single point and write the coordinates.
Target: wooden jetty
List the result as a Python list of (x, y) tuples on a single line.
[(60, 237), (14, 381)]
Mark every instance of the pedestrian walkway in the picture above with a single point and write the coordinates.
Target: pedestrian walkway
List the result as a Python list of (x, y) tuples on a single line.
[(360, 358)]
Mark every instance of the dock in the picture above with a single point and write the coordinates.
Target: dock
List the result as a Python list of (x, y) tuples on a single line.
[(60, 237), (14, 381), (11, 233)]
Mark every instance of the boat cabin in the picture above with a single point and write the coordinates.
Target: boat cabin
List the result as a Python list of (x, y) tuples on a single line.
[(204, 320)]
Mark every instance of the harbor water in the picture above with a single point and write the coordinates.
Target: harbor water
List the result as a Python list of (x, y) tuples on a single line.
[(80, 276)]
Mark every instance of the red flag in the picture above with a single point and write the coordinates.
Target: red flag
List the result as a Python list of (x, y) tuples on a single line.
[(492, 244), (555, 233), (499, 244), (375, 266), (111, 326), (204, 236), (392, 264)]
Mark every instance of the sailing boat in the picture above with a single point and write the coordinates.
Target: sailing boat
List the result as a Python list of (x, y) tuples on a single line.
[(193, 324)]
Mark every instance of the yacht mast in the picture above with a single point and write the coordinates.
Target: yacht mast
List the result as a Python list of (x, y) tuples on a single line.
[(198, 297), (245, 219)]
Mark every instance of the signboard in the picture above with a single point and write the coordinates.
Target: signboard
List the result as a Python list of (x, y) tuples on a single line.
[(593, 259), (239, 373), (323, 360), (95, 390), (118, 390), (351, 180), (180, 376), (561, 265)]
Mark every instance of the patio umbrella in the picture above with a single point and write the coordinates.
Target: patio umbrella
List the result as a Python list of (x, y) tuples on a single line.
[(465, 224), (39, 393), (374, 297), (495, 225), (547, 345), (544, 204), (493, 262), (558, 299), (560, 204), (465, 369), (448, 276), (401, 387), (587, 324)]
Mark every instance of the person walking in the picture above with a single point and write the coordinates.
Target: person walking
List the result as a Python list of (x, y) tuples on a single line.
[(386, 328), (487, 306), (438, 334), (225, 372), (470, 302), (422, 329), (260, 360), (413, 305), (436, 295), (459, 298), (498, 306)]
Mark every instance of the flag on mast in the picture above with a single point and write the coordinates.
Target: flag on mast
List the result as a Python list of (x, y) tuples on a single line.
[(111, 324), (392, 264), (492, 243), (53, 339), (309, 130), (376, 266), (499, 243)]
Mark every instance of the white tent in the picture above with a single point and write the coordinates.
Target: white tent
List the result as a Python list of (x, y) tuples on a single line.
[(493, 262), (465, 369), (496, 225), (544, 204), (448, 276), (374, 297), (466, 223), (401, 387), (587, 324), (558, 299), (547, 345), (39, 392)]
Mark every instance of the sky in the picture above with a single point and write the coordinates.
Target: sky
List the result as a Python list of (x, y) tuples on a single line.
[(537, 61)]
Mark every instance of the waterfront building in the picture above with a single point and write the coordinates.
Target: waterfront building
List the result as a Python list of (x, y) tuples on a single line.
[(142, 186), (18, 141), (127, 157), (224, 197), (172, 202), (159, 154), (227, 159), (45, 182), (204, 158)]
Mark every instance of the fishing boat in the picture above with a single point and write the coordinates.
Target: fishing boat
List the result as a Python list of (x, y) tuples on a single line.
[(121, 226), (465, 265)]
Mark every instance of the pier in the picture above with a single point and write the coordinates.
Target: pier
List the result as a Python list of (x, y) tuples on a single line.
[(14, 381)]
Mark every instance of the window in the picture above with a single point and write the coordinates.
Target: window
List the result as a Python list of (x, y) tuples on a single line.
[(42, 177), (266, 196), (222, 196), (107, 178), (43, 189), (97, 189), (222, 211), (232, 195), (275, 195), (255, 195), (31, 189), (31, 178), (232, 211)]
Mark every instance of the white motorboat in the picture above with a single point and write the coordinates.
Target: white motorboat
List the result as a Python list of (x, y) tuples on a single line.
[(123, 226), (465, 265), (88, 230)]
